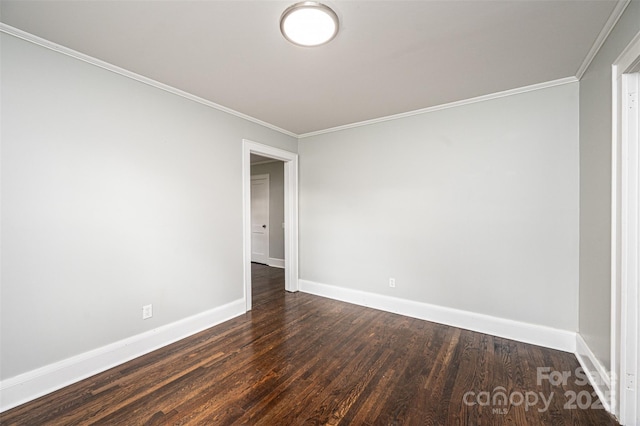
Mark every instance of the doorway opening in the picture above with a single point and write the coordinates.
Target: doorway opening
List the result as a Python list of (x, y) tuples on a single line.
[(290, 225)]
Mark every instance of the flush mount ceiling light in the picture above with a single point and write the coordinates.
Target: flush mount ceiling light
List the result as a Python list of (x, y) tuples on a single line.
[(309, 23)]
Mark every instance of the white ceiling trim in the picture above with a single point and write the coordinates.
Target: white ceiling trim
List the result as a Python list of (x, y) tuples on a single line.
[(126, 73), (455, 104), (600, 40), (602, 37)]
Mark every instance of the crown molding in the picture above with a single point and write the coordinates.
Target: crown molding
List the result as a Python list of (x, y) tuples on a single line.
[(602, 37), (604, 33), (126, 73), (482, 98)]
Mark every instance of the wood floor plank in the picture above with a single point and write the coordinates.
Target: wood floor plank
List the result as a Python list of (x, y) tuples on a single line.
[(301, 359)]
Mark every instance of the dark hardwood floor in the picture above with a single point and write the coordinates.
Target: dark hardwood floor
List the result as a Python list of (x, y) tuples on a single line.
[(301, 359)]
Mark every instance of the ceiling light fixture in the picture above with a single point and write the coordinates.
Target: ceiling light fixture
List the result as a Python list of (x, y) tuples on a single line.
[(309, 23)]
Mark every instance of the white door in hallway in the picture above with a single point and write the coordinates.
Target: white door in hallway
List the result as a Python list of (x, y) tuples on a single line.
[(260, 218)]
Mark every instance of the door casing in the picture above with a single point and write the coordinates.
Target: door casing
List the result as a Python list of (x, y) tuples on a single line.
[(290, 160), (625, 302)]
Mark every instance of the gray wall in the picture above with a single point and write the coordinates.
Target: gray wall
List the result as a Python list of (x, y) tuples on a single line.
[(115, 194), (474, 208), (275, 171), (595, 188)]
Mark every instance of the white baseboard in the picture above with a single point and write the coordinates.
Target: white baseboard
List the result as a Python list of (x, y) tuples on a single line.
[(598, 376), (523, 332), (275, 263), (36, 383)]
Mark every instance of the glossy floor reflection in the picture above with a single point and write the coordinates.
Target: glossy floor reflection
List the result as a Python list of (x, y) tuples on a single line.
[(302, 359)]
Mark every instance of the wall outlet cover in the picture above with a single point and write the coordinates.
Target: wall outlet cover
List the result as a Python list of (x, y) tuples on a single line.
[(147, 311)]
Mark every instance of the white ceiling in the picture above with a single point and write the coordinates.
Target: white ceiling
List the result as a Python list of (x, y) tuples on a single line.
[(390, 57)]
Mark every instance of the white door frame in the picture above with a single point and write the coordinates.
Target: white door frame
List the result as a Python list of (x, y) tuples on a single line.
[(290, 213), (624, 238)]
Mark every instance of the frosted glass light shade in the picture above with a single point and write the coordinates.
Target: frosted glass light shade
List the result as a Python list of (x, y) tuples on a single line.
[(309, 23)]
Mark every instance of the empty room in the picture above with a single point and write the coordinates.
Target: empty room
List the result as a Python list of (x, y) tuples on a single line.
[(344, 212)]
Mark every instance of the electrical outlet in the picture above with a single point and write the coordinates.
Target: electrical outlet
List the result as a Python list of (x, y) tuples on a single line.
[(392, 282), (147, 311)]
